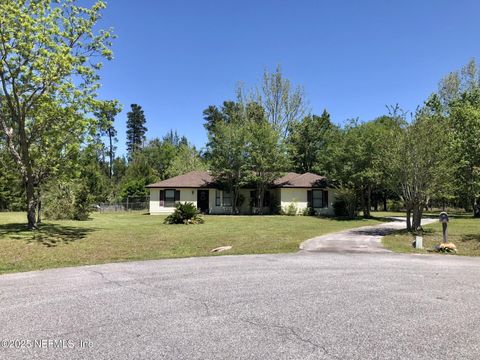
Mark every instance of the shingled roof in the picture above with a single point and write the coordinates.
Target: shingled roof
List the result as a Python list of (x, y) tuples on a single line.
[(199, 179), (295, 180), (192, 179)]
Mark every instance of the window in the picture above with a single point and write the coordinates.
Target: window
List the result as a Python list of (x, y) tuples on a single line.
[(218, 201), (317, 198), (169, 198), (227, 198)]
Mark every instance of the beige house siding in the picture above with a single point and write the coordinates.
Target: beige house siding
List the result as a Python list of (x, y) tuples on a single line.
[(298, 196), (283, 196), (186, 195)]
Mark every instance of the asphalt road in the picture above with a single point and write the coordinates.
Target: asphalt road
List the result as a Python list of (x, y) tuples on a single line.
[(292, 306), (361, 239)]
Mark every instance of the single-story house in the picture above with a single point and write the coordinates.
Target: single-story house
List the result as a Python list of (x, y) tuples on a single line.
[(199, 187)]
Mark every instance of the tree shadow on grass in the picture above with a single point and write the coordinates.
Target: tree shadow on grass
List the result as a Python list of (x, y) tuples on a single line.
[(471, 237), (49, 235)]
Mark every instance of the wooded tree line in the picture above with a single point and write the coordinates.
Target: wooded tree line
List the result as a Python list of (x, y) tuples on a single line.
[(412, 161), (58, 141)]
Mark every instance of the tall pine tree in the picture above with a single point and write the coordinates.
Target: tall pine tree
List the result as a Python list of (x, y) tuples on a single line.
[(136, 129), (106, 117)]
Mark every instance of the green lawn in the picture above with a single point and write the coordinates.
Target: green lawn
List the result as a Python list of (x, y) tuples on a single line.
[(463, 231), (135, 236)]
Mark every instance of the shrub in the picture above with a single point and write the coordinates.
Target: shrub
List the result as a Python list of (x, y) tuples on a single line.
[(81, 203), (66, 201), (290, 210), (57, 201), (308, 211), (185, 213)]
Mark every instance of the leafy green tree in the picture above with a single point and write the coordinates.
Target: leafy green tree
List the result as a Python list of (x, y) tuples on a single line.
[(139, 173), (133, 189), (160, 155), (361, 157), (186, 159), (213, 115), (456, 83), (309, 142), (92, 173), (266, 158), (227, 149), (136, 129), (49, 77), (422, 162), (244, 147), (119, 169), (283, 103), (458, 99), (12, 195), (464, 115)]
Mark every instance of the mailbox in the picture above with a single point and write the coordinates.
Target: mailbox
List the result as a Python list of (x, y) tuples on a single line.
[(443, 217)]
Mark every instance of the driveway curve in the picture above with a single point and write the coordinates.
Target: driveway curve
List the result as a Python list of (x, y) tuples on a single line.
[(366, 239)]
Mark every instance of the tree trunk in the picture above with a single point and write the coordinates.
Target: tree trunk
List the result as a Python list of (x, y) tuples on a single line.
[(367, 204), (409, 221), (261, 193), (369, 199), (362, 200), (110, 168), (31, 203), (384, 202), (420, 215), (235, 200), (417, 216), (39, 211), (476, 210)]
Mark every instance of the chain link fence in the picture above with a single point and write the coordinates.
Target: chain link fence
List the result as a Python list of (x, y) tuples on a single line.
[(130, 204)]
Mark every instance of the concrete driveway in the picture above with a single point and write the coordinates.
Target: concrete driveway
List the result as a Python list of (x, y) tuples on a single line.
[(362, 239), (292, 306)]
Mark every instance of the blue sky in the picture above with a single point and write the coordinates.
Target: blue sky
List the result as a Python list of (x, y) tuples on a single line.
[(175, 58)]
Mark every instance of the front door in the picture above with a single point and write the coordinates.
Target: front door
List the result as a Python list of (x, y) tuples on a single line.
[(202, 201)]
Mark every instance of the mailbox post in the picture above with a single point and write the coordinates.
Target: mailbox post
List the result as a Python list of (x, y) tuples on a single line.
[(444, 220)]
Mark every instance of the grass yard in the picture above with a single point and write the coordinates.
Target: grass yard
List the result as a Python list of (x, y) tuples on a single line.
[(134, 236), (463, 231)]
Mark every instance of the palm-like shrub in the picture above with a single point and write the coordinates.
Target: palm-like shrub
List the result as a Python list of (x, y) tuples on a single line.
[(186, 213)]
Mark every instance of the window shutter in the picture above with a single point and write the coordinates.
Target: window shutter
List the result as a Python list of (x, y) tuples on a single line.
[(177, 195), (325, 199), (162, 198), (309, 199)]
